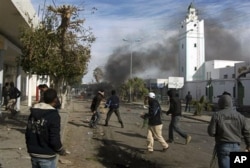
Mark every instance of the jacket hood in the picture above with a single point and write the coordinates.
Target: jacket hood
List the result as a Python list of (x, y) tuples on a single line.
[(40, 109), (225, 101)]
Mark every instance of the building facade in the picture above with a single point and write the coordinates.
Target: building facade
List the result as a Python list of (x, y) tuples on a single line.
[(191, 46), (13, 15)]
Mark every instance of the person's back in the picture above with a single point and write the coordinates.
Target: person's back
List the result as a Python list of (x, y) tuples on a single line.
[(42, 134), (228, 127), (113, 104), (188, 101), (188, 98), (175, 104), (230, 124), (43, 118), (14, 93), (113, 101)]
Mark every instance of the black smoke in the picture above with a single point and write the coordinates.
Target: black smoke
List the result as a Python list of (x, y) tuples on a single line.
[(220, 44), (161, 56)]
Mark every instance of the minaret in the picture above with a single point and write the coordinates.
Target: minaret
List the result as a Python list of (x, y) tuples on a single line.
[(191, 46)]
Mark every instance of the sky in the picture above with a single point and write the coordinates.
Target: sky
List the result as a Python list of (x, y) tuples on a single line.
[(150, 29)]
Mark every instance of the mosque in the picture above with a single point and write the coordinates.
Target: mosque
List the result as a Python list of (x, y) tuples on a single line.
[(200, 77), (213, 77)]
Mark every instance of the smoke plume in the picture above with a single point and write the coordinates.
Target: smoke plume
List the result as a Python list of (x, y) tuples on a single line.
[(162, 57)]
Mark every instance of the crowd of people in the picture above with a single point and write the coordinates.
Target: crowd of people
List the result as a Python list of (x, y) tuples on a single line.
[(226, 125), (43, 138)]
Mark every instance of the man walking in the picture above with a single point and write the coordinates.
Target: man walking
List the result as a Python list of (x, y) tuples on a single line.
[(113, 105), (42, 134), (95, 108), (228, 127), (175, 111), (154, 124), (14, 93), (188, 99)]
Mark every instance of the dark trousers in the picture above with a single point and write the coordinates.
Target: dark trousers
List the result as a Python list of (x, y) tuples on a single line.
[(174, 126), (95, 119), (117, 113), (187, 106)]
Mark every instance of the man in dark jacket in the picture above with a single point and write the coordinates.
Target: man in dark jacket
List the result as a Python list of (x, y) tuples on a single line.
[(42, 134), (14, 93), (113, 105), (228, 127), (95, 108), (6, 94), (154, 124), (175, 111), (188, 99)]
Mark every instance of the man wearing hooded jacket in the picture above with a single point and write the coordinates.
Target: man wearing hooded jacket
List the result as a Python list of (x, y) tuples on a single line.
[(113, 104), (42, 134), (176, 113), (228, 127)]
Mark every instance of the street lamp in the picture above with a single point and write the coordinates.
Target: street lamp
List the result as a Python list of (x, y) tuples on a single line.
[(131, 63)]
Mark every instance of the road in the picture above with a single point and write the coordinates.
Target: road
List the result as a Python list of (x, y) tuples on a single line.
[(116, 147)]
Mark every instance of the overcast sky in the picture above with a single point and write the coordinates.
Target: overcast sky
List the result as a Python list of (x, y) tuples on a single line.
[(150, 21)]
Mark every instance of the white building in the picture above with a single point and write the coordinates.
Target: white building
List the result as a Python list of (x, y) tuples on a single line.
[(213, 69), (209, 78), (191, 46), (13, 15)]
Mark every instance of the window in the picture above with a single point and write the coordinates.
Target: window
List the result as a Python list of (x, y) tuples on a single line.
[(182, 45), (233, 75), (195, 45), (225, 77), (195, 68)]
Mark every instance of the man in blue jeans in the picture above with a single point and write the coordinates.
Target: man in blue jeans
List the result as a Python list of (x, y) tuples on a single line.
[(175, 111), (42, 134), (228, 127)]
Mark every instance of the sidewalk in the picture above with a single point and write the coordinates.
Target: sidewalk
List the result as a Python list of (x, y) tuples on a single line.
[(13, 152)]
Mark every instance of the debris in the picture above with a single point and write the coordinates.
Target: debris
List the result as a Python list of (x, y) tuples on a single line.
[(65, 161)]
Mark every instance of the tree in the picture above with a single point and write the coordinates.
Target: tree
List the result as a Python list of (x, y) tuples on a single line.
[(98, 74), (138, 88), (59, 46), (201, 105)]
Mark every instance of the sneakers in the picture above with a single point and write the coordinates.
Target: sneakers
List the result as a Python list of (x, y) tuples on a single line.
[(188, 139)]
